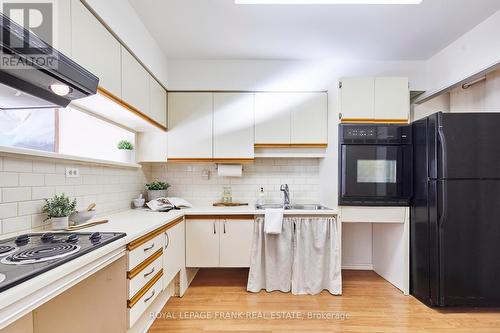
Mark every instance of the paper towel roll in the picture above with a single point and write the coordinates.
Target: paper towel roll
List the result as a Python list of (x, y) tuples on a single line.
[(230, 170)]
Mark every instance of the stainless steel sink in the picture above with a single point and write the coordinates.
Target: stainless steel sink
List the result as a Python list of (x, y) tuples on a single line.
[(293, 206)]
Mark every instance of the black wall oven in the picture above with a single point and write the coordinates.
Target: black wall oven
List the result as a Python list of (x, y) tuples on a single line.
[(375, 164)]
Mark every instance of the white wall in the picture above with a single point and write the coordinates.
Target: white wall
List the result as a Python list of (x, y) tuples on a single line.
[(123, 20), (483, 96), (437, 104), (473, 52)]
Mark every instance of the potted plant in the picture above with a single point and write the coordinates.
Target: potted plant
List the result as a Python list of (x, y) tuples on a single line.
[(157, 190), (58, 209), (126, 149)]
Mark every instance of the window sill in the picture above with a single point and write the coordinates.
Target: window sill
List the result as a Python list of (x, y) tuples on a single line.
[(43, 154)]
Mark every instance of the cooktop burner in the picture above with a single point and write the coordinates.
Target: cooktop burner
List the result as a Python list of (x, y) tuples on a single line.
[(41, 253), (6, 249), (29, 255)]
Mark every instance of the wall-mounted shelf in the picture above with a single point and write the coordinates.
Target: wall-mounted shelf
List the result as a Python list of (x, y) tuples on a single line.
[(30, 153)]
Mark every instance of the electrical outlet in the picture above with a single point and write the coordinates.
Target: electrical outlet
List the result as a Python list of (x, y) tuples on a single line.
[(72, 173)]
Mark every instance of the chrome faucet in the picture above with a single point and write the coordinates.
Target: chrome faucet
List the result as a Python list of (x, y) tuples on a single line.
[(286, 194)]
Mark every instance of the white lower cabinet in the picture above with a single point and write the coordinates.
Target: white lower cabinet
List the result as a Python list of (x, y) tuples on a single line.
[(218, 242), (202, 243), (174, 257), (235, 243)]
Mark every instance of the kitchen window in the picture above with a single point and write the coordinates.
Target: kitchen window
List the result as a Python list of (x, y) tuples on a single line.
[(29, 128), (66, 131)]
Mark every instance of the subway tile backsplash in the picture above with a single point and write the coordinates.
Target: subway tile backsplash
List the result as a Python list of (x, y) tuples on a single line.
[(24, 183), (187, 182)]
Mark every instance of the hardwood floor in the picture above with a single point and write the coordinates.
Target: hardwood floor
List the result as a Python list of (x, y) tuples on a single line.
[(368, 304)]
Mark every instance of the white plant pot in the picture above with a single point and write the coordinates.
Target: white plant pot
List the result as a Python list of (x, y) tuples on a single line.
[(155, 194), (59, 223), (127, 155)]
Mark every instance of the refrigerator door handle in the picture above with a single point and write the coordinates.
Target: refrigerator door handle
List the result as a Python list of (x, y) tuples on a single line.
[(444, 205), (442, 144)]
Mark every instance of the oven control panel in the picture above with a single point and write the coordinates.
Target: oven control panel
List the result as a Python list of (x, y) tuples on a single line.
[(375, 133), (360, 132)]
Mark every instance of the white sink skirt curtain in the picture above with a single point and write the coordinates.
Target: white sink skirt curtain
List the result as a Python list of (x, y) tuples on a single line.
[(303, 259)]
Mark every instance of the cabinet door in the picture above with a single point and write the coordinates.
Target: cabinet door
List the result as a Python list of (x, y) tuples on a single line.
[(190, 125), (202, 243), (356, 98), (233, 125), (151, 146), (235, 242), (392, 98), (173, 252), (62, 39), (158, 102), (135, 83), (309, 122), (94, 48), (272, 117)]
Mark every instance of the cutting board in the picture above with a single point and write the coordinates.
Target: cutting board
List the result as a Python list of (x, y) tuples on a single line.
[(230, 204)]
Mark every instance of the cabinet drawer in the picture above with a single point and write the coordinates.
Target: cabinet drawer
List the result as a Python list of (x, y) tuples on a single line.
[(137, 280), (138, 253), (138, 304)]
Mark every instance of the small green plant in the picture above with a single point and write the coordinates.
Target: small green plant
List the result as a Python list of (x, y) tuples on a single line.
[(124, 144), (59, 206), (155, 186)]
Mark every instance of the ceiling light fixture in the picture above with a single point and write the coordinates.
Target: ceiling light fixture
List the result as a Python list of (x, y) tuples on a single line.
[(60, 89), (328, 2)]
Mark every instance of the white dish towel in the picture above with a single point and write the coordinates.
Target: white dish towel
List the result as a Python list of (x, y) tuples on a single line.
[(273, 221)]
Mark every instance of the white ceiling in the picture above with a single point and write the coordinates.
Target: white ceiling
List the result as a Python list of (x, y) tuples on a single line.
[(219, 29)]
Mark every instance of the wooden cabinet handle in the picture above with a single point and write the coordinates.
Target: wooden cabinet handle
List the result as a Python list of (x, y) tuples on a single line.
[(152, 294), (224, 225), (214, 229), (151, 272), (149, 248)]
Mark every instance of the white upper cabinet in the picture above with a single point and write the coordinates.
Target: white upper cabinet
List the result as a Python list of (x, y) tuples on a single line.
[(309, 119), (392, 98), (158, 102), (95, 48), (135, 83), (62, 39), (370, 98), (151, 146), (291, 118), (272, 118), (235, 242), (190, 122), (356, 98), (233, 125)]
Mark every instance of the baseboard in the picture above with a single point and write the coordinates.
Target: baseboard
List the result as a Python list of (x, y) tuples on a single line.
[(361, 267)]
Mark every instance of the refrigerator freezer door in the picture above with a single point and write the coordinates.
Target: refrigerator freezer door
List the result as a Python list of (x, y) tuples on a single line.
[(467, 147), (469, 242)]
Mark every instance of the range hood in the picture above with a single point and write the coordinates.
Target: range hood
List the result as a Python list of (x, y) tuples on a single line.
[(35, 75)]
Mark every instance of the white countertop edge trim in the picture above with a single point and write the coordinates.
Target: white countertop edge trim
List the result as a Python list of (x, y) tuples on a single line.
[(31, 153), (20, 300)]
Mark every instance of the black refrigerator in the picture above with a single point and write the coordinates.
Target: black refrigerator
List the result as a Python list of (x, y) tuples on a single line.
[(455, 210)]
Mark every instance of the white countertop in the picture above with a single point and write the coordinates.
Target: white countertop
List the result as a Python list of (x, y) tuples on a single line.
[(28, 295), (138, 222)]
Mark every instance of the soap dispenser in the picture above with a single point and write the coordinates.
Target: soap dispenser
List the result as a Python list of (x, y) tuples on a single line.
[(261, 198)]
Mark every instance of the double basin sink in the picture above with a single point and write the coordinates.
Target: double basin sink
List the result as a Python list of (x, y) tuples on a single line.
[(293, 206)]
